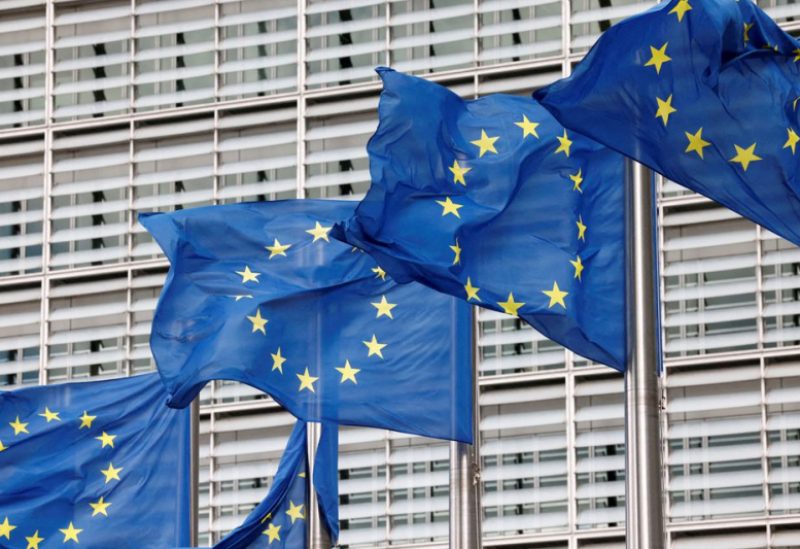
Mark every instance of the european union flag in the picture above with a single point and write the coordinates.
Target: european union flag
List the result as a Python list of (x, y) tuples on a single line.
[(259, 293), (705, 93), (494, 202), (279, 521), (95, 464)]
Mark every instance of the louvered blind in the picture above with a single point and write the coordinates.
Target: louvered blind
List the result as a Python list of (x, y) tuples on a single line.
[(22, 64)]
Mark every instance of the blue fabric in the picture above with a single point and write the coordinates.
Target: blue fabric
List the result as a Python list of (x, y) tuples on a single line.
[(732, 73), (50, 471), (279, 521), (323, 301), (517, 227)]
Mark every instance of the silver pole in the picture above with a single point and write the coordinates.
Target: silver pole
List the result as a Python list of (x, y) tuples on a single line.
[(465, 487), (644, 516), (318, 537), (194, 470)]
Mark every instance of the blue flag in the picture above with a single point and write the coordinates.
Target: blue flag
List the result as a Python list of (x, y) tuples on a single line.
[(95, 464), (259, 293), (279, 521), (705, 93), (494, 202)]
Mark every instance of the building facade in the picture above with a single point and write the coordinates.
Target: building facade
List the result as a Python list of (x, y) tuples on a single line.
[(110, 108)]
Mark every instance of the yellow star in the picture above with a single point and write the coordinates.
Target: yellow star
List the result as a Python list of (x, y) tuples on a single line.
[(449, 207), (665, 109), (111, 473), (556, 296), (792, 140), (658, 57), (528, 127), (302, 475), (106, 439), (100, 507), (70, 533), (306, 381), (259, 323), (511, 307), (745, 156), (374, 347), (34, 540), (472, 291), (348, 372), (459, 172), (248, 275), (485, 143), (796, 53), (578, 267), (379, 273), (696, 142), (18, 426), (243, 296), (295, 511), (277, 249), (577, 179), (318, 232), (50, 416), (565, 144), (2, 448), (86, 420), (456, 250), (794, 103), (384, 307), (277, 361), (581, 228), (680, 9), (6, 528), (272, 532), (266, 518), (747, 27)]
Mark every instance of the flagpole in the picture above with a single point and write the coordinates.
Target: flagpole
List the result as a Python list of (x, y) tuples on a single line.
[(465, 487), (644, 516), (318, 536), (194, 470)]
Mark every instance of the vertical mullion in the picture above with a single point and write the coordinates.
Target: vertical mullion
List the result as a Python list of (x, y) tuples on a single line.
[(566, 36), (301, 99), (387, 445), (571, 435), (764, 436), (217, 53), (132, 64)]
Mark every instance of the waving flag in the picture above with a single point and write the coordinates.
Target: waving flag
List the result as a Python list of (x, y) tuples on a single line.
[(95, 464), (279, 521), (260, 294), (705, 93), (496, 203)]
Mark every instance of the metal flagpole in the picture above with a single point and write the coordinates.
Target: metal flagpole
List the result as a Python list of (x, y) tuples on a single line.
[(465, 488), (318, 536), (644, 517), (194, 469)]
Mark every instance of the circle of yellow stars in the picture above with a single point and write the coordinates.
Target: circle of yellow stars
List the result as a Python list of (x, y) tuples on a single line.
[(460, 170), (383, 307), (71, 533), (743, 155)]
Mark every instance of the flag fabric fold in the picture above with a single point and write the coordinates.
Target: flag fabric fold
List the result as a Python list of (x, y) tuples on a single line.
[(494, 202), (259, 293), (280, 520), (705, 93), (94, 464)]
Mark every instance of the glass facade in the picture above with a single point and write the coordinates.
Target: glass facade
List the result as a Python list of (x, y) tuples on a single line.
[(114, 107)]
